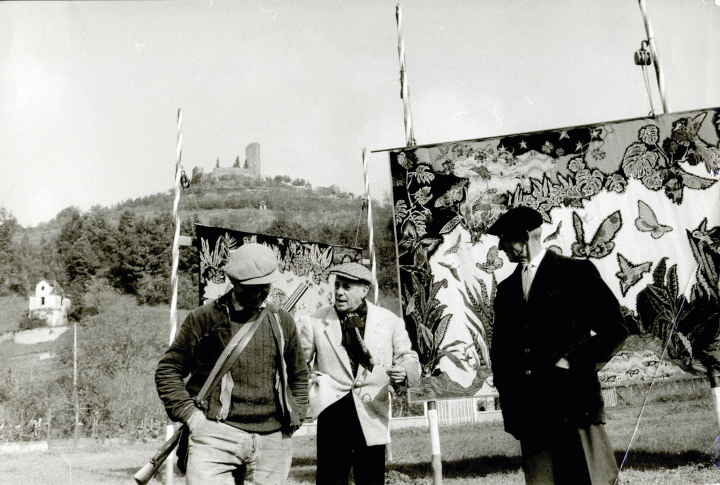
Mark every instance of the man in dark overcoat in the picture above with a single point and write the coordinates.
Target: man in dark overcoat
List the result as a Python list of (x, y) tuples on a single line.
[(556, 324)]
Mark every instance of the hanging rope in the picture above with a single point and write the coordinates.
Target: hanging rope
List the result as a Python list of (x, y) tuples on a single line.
[(643, 59), (404, 89), (371, 244)]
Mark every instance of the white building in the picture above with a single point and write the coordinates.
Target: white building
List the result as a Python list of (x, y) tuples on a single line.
[(49, 303)]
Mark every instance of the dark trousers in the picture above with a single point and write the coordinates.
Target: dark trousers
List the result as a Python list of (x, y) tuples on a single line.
[(570, 456), (341, 446)]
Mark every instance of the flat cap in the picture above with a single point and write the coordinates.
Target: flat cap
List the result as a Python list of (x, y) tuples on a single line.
[(517, 220), (253, 264), (353, 272)]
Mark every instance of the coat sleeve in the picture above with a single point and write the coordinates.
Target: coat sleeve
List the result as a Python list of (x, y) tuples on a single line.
[(604, 323), (403, 354), (297, 369), (179, 362), (307, 338)]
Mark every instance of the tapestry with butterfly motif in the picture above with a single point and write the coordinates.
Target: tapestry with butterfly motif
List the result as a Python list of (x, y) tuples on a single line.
[(301, 263), (639, 198)]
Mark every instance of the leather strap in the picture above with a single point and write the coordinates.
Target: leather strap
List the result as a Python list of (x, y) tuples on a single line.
[(229, 355)]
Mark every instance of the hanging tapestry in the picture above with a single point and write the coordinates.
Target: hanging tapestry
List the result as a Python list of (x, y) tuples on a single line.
[(300, 263), (638, 198)]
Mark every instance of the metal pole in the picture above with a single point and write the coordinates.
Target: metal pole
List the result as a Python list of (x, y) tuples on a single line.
[(654, 54)]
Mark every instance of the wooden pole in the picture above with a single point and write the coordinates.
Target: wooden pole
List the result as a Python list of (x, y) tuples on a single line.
[(410, 141), (75, 386), (436, 463), (170, 428), (655, 58)]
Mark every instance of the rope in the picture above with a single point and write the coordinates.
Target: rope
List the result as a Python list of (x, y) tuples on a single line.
[(404, 89), (652, 383), (371, 244)]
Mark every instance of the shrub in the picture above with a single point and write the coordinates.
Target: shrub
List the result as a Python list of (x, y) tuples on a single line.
[(31, 320)]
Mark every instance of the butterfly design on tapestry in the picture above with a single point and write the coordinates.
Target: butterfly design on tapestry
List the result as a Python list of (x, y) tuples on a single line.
[(647, 221), (454, 248), (453, 267), (555, 234), (630, 273), (494, 261), (601, 244)]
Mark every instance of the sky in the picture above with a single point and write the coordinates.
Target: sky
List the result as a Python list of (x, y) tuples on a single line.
[(89, 91)]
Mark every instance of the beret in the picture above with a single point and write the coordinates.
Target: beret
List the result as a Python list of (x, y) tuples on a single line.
[(353, 272), (517, 220), (253, 264)]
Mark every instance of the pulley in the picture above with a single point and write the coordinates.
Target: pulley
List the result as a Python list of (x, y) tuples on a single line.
[(183, 179), (642, 56)]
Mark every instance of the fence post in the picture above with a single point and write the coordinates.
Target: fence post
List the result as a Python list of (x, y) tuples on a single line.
[(49, 424)]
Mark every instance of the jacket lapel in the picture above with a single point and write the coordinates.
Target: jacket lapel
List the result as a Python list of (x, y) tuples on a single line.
[(334, 335)]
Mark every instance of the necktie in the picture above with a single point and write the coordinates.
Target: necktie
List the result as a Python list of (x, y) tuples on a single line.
[(526, 275)]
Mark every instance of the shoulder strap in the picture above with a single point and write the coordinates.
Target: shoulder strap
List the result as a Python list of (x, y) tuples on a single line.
[(230, 354)]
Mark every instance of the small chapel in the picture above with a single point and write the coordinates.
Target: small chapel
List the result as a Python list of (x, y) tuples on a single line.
[(49, 303)]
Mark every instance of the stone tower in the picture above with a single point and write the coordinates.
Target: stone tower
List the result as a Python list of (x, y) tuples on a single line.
[(252, 157)]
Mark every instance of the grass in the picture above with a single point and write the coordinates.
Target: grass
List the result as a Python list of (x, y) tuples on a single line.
[(674, 445)]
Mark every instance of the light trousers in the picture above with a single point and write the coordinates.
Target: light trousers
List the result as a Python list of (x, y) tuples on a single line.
[(219, 454)]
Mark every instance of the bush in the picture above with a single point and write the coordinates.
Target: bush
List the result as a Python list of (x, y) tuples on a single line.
[(31, 320)]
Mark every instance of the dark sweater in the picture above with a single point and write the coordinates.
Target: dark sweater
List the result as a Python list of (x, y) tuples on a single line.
[(199, 343)]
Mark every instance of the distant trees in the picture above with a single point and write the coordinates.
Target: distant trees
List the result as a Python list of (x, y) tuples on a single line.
[(8, 226), (237, 162)]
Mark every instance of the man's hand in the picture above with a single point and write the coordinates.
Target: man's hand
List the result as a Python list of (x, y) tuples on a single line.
[(397, 373), (194, 419), (563, 363)]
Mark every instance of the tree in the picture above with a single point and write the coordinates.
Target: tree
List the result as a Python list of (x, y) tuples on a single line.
[(217, 163), (237, 162), (8, 227)]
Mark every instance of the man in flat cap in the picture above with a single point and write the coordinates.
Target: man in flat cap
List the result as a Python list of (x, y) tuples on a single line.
[(241, 432), (357, 349), (556, 324)]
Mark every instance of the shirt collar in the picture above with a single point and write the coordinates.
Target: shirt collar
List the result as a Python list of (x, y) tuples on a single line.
[(536, 260)]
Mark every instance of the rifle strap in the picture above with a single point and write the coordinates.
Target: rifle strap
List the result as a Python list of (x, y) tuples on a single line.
[(228, 357)]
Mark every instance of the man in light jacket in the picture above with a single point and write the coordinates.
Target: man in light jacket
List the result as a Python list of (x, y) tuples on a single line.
[(357, 349)]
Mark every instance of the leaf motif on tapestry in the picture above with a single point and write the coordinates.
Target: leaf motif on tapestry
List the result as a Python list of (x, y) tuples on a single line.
[(493, 261), (601, 244), (411, 242), (647, 221), (630, 274)]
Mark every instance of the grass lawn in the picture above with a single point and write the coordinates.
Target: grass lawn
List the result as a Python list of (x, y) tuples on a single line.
[(674, 445)]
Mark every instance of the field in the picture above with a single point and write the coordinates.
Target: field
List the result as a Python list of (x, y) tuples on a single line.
[(675, 444)]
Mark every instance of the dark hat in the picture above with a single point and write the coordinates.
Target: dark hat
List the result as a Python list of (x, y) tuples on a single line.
[(353, 272), (516, 221), (253, 264)]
